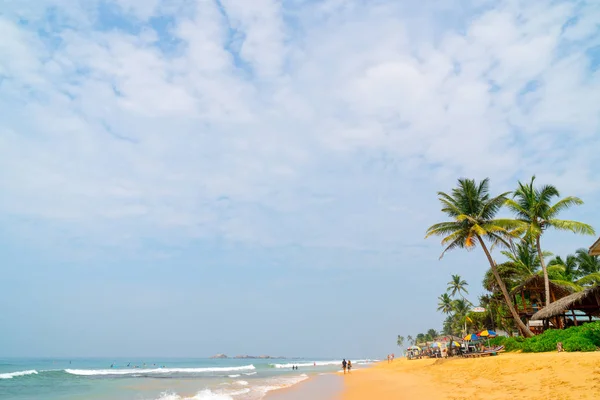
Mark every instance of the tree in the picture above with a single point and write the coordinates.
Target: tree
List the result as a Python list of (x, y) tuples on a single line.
[(432, 333), (445, 304), (421, 338), (457, 285), (532, 207), (587, 264), (410, 339), (521, 264), (473, 213), (569, 273), (400, 341)]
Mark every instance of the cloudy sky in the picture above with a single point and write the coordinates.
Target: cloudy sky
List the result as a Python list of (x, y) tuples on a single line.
[(186, 177)]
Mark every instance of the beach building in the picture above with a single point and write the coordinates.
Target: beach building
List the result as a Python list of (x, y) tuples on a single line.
[(574, 309), (595, 249), (530, 297)]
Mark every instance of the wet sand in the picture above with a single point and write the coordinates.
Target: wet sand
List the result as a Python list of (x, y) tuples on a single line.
[(320, 387), (506, 376)]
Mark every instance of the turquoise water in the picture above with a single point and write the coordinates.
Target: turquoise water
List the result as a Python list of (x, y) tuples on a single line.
[(153, 379)]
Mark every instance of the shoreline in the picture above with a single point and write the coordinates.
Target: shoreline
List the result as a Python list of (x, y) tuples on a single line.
[(324, 386)]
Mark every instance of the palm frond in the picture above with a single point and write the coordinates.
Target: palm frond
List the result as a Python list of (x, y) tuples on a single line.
[(562, 205), (590, 279), (573, 226), (443, 228)]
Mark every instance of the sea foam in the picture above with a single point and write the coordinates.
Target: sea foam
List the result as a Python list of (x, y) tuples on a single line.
[(317, 363), (203, 395), (157, 371), (11, 375)]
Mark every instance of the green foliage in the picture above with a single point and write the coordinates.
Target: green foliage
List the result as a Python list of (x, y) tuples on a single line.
[(576, 338)]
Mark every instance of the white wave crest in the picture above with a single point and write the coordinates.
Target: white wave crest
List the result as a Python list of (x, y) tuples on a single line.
[(203, 395), (243, 383), (234, 376), (239, 392), (11, 375), (140, 371), (250, 373), (307, 364), (317, 363)]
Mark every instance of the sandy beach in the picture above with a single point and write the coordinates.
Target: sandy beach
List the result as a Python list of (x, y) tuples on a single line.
[(507, 376)]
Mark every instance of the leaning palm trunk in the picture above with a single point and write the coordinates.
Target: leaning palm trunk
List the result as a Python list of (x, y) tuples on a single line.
[(544, 269), (522, 327)]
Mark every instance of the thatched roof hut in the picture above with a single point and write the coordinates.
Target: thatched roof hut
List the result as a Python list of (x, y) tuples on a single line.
[(595, 249), (587, 301), (535, 284), (529, 298)]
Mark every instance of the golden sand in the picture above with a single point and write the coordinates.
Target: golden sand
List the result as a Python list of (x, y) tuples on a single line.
[(506, 376)]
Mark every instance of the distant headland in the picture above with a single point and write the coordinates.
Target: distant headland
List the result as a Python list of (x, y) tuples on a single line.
[(263, 357)]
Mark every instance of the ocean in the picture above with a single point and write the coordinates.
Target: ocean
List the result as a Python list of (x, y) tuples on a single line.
[(154, 378)]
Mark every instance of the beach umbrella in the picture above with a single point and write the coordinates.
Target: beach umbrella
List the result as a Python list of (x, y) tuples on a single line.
[(455, 344), (436, 344), (414, 348), (470, 337), (487, 334)]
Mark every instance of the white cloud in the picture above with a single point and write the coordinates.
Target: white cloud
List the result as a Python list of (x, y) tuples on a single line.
[(348, 120)]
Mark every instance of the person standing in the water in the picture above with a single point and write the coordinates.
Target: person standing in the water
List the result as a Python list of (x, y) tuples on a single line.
[(344, 365)]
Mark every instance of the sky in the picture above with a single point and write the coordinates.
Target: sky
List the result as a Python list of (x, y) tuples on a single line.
[(191, 177)]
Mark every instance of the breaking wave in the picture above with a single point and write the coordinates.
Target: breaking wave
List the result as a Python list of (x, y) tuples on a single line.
[(11, 375), (318, 363), (203, 395), (155, 371)]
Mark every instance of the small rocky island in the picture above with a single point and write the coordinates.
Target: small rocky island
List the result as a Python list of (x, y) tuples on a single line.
[(263, 357)]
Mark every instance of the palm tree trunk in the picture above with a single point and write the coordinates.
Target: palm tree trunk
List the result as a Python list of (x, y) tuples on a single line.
[(544, 270), (522, 327)]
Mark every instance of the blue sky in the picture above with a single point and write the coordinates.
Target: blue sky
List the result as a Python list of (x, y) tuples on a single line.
[(186, 177)]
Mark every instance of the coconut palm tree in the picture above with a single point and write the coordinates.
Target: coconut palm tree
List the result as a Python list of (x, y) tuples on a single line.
[(457, 285), (400, 341), (410, 339), (445, 304), (532, 206), (432, 333), (568, 273), (521, 264), (587, 264), (473, 222)]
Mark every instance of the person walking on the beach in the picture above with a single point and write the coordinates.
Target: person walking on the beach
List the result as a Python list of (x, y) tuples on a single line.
[(344, 365), (349, 366)]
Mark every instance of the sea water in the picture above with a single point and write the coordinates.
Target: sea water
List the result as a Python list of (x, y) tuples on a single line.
[(154, 378)]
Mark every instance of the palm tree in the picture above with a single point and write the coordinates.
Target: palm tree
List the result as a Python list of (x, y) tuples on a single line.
[(432, 333), (445, 304), (568, 273), (587, 264), (410, 339), (473, 213), (400, 341), (457, 285), (461, 309), (532, 207), (521, 264)]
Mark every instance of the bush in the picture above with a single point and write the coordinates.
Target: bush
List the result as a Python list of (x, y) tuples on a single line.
[(578, 343), (576, 338)]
